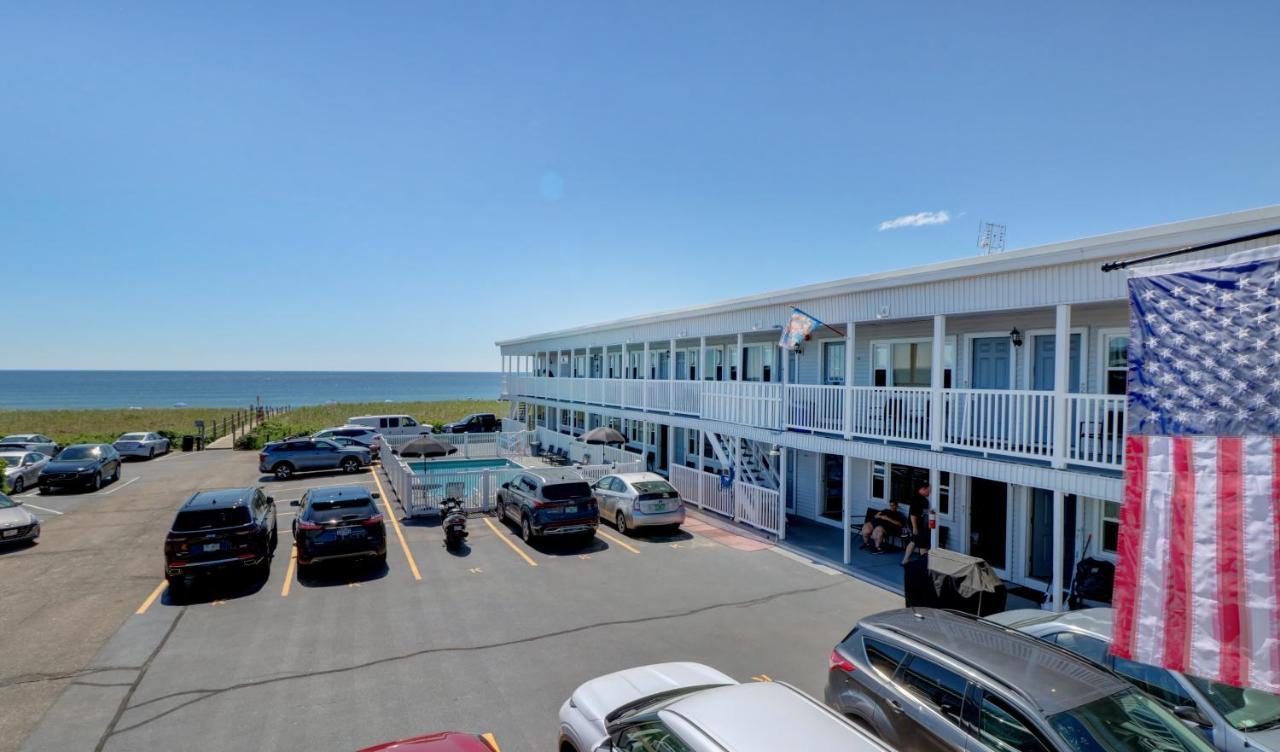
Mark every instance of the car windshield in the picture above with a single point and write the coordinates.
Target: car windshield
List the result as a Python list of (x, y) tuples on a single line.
[(210, 519), (655, 489), (6, 502), (17, 438), (132, 437), (1127, 721), (12, 460), (336, 509), (1245, 709), (80, 453), (562, 491)]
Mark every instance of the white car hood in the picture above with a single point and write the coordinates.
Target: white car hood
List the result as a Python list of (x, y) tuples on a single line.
[(1267, 740), (602, 695)]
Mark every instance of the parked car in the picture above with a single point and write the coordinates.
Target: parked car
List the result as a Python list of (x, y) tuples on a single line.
[(229, 530), (549, 502), (340, 522), (1232, 719), (636, 500), (80, 466), (926, 679), (445, 741), (22, 468), (392, 425), (475, 423), (689, 707), (362, 435), (16, 523), (32, 442), (144, 444), (284, 458)]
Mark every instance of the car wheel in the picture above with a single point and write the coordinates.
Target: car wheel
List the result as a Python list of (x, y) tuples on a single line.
[(275, 538), (500, 509), (177, 588), (97, 481), (151, 453), (621, 522), (863, 726), (116, 475), (350, 465), (18, 485), (283, 471), (526, 530)]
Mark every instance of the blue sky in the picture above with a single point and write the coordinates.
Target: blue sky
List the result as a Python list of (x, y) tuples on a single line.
[(396, 185)]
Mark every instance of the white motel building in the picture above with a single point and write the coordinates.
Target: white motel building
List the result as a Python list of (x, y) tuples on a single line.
[(999, 379)]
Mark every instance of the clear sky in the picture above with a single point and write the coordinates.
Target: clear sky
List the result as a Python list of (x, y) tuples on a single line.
[(377, 185)]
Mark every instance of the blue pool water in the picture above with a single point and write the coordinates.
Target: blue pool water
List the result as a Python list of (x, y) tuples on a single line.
[(432, 467)]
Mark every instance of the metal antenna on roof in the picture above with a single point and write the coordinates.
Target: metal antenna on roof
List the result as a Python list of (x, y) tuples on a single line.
[(991, 237)]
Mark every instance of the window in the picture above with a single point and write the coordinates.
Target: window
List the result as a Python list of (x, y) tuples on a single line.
[(651, 736), (210, 519), (1115, 362), (909, 363), (883, 657), (408, 422), (833, 363), (1110, 526), (1086, 647), (691, 437), (1002, 728), (878, 471), (1155, 681), (942, 688), (944, 494)]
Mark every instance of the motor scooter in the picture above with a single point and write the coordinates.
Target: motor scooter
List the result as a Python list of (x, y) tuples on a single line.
[(454, 522)]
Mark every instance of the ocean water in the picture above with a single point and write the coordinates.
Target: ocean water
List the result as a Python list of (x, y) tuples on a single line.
[(41, 390)]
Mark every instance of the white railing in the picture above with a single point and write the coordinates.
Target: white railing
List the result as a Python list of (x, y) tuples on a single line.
[(900, 413), (994, 421), (1096, 425), (1006, 421), (474, 445), (750, 403), (757, 506), (685, 481), (813, 407)]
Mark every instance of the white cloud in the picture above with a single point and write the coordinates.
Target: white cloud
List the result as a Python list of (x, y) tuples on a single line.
[(917, 220)]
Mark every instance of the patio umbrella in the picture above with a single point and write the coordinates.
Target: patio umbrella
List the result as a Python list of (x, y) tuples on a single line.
[(427, 446), (604, 435)]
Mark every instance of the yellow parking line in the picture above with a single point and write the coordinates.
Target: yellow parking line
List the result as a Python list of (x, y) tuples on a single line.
[(152, 598), (391, 515), (288, 575), (622, 543), (503, 538), (491, 741)]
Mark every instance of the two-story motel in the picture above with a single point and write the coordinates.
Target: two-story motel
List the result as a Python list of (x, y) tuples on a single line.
[(999, 380)]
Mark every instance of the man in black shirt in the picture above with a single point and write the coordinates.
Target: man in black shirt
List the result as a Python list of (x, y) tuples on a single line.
[(918, 524), (886, 519)]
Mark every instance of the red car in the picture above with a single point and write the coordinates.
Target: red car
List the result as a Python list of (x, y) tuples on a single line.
[(444, 741)]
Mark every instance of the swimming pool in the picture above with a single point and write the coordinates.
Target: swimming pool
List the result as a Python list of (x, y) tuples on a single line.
[(459, 466)]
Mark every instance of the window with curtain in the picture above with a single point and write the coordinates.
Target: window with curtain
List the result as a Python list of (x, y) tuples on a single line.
[(1116, 362), (833, 363)]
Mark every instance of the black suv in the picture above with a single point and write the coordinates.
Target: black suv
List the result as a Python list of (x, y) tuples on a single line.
[(339, 522), (231, 529), (477, 423), (549, 502)]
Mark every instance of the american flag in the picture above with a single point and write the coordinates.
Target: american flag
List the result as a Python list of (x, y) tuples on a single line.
[(1198, 562)]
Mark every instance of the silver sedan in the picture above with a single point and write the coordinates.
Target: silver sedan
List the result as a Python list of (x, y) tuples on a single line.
[(32, 442), (16, 523), (635, 500), (147, 444), (22, 469)]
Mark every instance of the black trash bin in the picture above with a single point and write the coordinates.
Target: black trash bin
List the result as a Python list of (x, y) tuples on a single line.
[(188, 443)]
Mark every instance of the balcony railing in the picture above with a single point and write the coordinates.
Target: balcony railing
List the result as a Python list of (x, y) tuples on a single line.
[(1008, 422)]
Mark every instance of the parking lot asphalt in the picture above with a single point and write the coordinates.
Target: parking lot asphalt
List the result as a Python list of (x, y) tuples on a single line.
[(489, 639)]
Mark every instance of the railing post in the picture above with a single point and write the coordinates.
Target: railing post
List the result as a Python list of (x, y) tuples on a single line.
[(644, 376), (935, 382), (847, 389), (1061, 388), (782, 493), (671, 377)]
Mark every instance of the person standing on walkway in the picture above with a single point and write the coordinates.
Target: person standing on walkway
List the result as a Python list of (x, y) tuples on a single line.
[(917, 528)]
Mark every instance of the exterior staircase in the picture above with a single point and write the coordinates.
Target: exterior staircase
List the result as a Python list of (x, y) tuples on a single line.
[(756, 466)]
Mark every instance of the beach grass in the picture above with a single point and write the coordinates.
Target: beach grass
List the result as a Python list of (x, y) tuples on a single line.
[(94, 426)]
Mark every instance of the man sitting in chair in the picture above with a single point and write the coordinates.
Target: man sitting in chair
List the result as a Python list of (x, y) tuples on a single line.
[(886, 519)]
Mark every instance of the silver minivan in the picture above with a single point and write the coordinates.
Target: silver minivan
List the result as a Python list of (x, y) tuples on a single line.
[(391, 425)]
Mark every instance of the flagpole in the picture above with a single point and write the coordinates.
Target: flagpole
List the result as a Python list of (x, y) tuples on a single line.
[(1112, 266), (815, 318)]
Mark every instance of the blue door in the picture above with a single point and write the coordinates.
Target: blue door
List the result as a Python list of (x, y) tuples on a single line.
[(991, 363), (1042, 363)]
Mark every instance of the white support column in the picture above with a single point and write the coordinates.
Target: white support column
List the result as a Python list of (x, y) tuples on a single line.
[(1061, 387), (737, 364), (782, 493), (1059, 524), (702, 451), (644, 374), (935, 479), (671, 377), (702, 385), (849, 334), (935, 382), (846, 506), (671, 448)]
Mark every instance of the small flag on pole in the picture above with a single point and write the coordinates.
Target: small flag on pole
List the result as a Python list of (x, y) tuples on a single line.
[(1198, 559), (797, 329)]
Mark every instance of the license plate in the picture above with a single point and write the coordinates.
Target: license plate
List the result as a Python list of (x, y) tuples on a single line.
[(569, 510), (659, 507), (212, 547), (349, 532), (9, 534)]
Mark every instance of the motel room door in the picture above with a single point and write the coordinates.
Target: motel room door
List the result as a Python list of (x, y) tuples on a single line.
[(991, 363), (989, 522), (1040, 545)]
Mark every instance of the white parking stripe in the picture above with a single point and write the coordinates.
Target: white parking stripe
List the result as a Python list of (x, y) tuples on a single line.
[(117, 488), (42, 509)]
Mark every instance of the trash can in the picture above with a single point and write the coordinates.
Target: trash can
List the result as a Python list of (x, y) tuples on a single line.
[(188, 443)]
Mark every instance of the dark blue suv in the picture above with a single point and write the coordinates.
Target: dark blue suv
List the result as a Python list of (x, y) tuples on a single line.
[(549, 502)]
